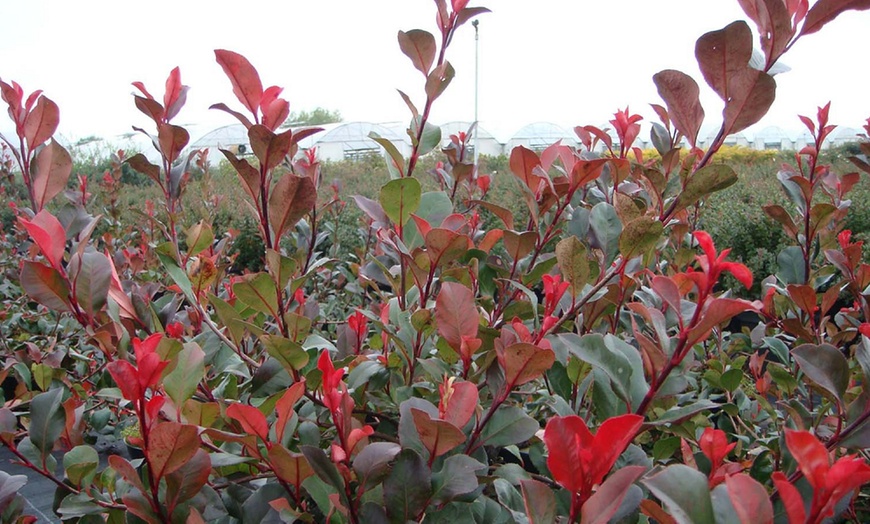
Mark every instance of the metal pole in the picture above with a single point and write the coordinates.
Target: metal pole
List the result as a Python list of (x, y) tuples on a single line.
[(475, 23)]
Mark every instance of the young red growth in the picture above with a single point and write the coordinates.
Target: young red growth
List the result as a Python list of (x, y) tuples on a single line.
[(713, 264), (359, 327), (627, 129), (330, 381), (714, 444), (830, 482), (578, 459)]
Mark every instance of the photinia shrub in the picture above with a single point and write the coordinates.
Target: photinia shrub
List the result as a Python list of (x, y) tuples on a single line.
[(583, 363)]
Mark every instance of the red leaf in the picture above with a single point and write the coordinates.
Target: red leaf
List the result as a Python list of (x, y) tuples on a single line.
[(804, 297), (150, 107), (810, 454), (170, 446), (41, 123), (681, 94), (523, 162), (240, 117), (172, 140), (127, 378), (605, 502), (53, 166), (48, 233), (461, 404), (420, 47), (245, 79), (284, 407), (716, 312), (252, 419), (439, 436), (173, 91), (290, 467), (291, 199), (752, 93), (750, 499), (45, 285), (456, 313), (564, 437), (444, 246), (249, 175), (791, 498), (127, 471), (724, 53), (824, 11), (714, 444), (438, 80), (523, 363)]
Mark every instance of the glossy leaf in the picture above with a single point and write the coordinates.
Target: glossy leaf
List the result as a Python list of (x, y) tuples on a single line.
[(181, 383), (408, 487), (244, 78), (41, 123), (606, 501), (400, 199), (45, 285), (47, 420), (826, 366), (539, 501), (438, 436), (752, 94), (171, 445), (373, 462), (290, 354), (707, 180), (173, 140), (684, 492), (750, 499), (258, 292), (291, 199), (605, 228), (524, 362), (91, 275), (290, 467), (47, 232), (188, 480), (509, 425), (456, 314), (252, 419), (457, 476), (52, 167)]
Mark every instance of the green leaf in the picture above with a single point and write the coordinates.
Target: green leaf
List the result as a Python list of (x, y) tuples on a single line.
[(400, 199), (684, 492), (42, 375), (288, 353), (456, 477), (199, 237), (605, 228), (408, 488), (431, 136), (79, 463), (178, 276), (258, 292), (323, 467), (372, 463), (396, 162), (47, 420), (731, 379), (826, 366), (790, 262), (640, 236), (509, 425), (573, 262), (705, 181), (677, 414), (189, 370), (593, 349)]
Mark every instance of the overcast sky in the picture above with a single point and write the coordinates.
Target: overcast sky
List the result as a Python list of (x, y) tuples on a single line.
[(570, 62)]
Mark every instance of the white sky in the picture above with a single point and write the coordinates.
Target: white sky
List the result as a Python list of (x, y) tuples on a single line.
[(570, 62)]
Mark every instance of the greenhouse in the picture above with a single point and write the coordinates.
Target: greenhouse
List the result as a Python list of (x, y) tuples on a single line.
[(350, 141), (539, 136)]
